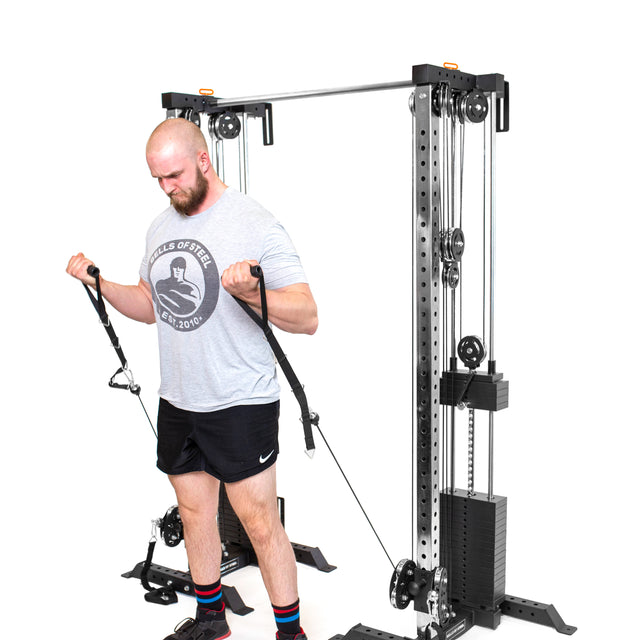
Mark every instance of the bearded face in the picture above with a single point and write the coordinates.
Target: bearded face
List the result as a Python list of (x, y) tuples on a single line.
[(186, 201)]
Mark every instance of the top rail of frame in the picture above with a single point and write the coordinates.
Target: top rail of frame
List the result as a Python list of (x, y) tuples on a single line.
[(422, 74), (314, 93)]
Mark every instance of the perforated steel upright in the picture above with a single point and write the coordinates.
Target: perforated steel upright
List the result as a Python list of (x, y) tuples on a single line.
[(426, 184)]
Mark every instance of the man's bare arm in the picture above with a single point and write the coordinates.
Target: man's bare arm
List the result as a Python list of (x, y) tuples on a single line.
[(291, 308), (133, 301)]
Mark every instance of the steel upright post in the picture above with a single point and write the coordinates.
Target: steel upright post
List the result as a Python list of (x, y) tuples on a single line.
[(426, 179)]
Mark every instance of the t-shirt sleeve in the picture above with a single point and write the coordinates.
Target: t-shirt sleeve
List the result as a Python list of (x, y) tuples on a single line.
[(280, 261), (144, 269), (144, 264)]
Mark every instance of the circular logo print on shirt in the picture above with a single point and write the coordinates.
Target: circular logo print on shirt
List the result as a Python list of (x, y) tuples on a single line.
[(184, 283)]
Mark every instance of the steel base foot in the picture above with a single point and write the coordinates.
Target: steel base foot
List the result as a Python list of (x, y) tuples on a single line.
[(537, 612)]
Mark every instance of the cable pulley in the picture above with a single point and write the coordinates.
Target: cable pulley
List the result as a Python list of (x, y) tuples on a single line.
[(451, 275), (226, 126), (452, 245), (440, 610), (188, 114), (212, 125), (399, 587), (474, 107), (192, 115), (170, 527), (471, 351), (443, 100), (464, 106), (427, 589)]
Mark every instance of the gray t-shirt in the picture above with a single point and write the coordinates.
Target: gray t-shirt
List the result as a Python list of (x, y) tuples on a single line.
[(212, 355)]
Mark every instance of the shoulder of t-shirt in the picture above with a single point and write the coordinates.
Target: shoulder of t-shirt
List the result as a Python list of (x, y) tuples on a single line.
[(159, 219), (244, 205)]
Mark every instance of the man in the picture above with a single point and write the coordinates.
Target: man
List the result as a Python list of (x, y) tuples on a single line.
[(218, 413)]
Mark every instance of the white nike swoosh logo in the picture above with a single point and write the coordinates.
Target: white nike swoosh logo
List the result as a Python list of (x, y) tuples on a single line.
[(263, 460)]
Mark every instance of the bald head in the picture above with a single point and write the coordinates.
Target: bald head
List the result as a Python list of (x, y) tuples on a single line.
[(179, 136), (178, 158)]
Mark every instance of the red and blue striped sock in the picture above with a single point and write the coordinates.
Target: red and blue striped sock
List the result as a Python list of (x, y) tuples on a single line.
[(288, 619), (210, 602)]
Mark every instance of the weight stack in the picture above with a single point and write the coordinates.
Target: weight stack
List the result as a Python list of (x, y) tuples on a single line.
[(473, 547)]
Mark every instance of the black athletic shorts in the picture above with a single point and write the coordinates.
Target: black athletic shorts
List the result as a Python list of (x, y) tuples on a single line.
[(229, 444)]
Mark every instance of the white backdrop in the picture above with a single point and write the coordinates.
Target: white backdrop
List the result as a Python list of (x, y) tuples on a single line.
[(81, 88)]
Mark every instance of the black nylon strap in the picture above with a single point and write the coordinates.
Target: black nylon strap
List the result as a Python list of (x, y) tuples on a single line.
[(162, 595), (463, 395), (147, 566), (98, 304), (298, 390)]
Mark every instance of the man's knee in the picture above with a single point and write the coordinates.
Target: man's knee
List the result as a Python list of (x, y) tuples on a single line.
[(197, 495), (263, 529)]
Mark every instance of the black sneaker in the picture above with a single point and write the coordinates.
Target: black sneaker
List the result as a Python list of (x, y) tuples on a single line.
[(288, 636), (191, 629)]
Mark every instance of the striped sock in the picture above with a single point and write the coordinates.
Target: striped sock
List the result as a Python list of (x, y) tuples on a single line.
[(288, 618), (210, 603)]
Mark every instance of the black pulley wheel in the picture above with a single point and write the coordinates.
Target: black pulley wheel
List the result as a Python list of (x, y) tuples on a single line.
[(227, 126), (399, 587), (192, 115), (475, 106), (171, 528), (452, 244), (451, 275), (471, 351)]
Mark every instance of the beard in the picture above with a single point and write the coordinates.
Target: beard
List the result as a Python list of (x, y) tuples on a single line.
[(191, 199)]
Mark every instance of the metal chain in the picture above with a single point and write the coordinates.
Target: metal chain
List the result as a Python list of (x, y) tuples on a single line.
[(471, 453)]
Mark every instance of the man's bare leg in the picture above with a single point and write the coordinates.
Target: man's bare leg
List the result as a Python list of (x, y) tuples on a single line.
[(197, 495), (256, 504)]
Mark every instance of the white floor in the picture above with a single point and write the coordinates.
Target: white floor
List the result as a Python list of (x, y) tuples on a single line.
[(331, 603)]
